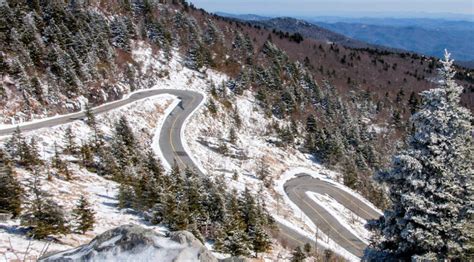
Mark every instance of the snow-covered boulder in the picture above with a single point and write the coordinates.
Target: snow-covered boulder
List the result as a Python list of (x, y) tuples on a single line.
[(135, 243)]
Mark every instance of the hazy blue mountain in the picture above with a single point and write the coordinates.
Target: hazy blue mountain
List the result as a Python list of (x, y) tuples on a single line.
[(425, 36), (246, 17)]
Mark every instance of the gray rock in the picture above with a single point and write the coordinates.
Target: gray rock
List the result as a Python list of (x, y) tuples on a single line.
[(185, 237), (135, 243), (235, 259)]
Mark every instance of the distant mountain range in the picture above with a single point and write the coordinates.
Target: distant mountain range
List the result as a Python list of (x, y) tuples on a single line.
[(309, 30), (421, 35), (246, 17)]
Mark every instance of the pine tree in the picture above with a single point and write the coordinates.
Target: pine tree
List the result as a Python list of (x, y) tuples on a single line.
[(84, 216), (260, 240), (90, 117), (92, 123), (195, 58), (126, 196), (10, 189), (414, 103), (237, 119), (13, 145), (263, 172), (430, 183), (71, 146), (43, 215), (87, 156), (232, 136), (28, 153), (236, 241), (120, 34), (211, 106), (298, 255), (56, 162)]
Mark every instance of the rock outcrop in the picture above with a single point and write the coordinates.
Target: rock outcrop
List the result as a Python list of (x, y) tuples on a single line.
[(135, 243)]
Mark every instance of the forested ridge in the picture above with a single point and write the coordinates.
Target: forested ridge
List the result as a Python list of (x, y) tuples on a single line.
[(348, 108), (57, 55)]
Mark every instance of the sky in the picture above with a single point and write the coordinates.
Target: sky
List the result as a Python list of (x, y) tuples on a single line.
[(411, 8)]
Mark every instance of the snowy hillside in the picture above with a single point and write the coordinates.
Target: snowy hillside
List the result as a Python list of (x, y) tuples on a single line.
[(252, 151)]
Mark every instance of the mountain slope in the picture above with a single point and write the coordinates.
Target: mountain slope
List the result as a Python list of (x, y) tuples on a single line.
[(428, 41), (270, 99), (292, 25)]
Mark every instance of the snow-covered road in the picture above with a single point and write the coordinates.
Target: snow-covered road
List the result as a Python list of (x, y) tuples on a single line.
[(173, 148)]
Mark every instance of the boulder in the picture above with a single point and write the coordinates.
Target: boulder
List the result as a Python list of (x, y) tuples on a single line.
[(135, 243)]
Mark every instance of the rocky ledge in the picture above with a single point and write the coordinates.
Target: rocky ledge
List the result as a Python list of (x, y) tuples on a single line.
[(135, 243)]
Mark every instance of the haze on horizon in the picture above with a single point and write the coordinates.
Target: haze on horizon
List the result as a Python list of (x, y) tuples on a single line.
[(373, 8)]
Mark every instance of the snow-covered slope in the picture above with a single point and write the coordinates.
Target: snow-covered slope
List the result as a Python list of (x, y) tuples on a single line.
[(254, 145), (135, 243), (145, 116)]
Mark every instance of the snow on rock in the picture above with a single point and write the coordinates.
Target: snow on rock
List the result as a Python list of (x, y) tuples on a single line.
[(129, 242)]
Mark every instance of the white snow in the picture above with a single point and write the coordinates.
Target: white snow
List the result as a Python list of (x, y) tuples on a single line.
[(323, 240), (344, 216), (252, 140), (144, 114), (147, 116)]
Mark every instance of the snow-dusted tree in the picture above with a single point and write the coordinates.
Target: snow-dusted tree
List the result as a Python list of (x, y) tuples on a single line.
[(194, 58), (43, 215), (430, 183), (298, 255), (69, 140), (120, 34), (10, 188), (84, 215)]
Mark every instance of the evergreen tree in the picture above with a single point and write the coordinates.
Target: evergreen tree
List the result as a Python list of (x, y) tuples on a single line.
[(10, 188), (237, 119), (124, 144), (120, 34), (154, 166), (43, 215), (430, 183), (57, 162), (298, 255), (195, 58), (71, 146), (263, 172), (84, 216), (14, 145), (87, 156), (260, 239), (147, 191), (254, 219), (126, 196), (92, 123), (211, 106), (414, 103), (236, 241), (232, 136)]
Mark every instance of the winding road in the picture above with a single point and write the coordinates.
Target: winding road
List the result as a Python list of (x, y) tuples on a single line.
[(296, 188)]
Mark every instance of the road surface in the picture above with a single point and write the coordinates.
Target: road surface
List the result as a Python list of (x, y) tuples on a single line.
[(296, 189), (174, 152)]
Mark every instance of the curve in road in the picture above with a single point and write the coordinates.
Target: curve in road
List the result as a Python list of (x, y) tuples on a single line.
[(170, 142), (55, 121), (296, 189)]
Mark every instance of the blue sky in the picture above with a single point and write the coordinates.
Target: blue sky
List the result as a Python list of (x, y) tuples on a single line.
[(338, 7)]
